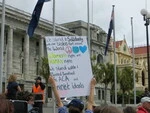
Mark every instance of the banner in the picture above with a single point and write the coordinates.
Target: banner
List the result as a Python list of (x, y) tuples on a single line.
[(70, 64)]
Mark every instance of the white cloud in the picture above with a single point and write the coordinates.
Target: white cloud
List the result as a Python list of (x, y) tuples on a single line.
[(72, 10)]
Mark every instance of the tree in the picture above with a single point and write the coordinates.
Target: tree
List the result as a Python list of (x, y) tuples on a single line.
[(45, 72), (126, 81), (105, 74)]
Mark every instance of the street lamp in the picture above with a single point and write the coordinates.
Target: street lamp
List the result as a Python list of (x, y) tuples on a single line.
[(146, 18)]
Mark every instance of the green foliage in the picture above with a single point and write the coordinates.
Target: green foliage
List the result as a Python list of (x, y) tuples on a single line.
[(131, 95), (45, 72), (126, 79), (105, 74), (44, 69)]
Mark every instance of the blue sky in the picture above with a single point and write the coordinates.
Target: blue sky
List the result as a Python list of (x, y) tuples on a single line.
[(100, 12)]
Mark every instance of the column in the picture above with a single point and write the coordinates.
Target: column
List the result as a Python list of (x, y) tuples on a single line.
[(41, 47), (26, 56), (10, 51)]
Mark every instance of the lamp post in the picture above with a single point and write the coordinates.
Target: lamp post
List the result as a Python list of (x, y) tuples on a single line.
[(146, 18)]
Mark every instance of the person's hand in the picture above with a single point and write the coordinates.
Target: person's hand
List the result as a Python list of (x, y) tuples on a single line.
[(52, 81), (93, 82)]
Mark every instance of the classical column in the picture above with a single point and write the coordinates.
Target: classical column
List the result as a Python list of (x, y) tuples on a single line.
[(10, 51), (41, 47), (26, 56)]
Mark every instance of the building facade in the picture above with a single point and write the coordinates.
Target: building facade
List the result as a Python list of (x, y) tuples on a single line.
[(124, 58), (22, 54)]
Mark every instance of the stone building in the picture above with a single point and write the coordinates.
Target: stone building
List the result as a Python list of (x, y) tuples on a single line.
[(22, 54), (141, 67), (124, 58)]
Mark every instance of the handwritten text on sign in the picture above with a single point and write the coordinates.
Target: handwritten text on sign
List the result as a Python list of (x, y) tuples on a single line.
[(69, 64)]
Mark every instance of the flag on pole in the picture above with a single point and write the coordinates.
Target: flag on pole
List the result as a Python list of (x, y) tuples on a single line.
[(35, 17), (111, 27)]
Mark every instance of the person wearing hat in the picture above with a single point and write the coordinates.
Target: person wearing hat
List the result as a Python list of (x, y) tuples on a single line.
[(76, 105), (145, 105), (38, 91)]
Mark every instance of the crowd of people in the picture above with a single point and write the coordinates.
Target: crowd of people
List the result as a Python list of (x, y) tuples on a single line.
[(14, 92)]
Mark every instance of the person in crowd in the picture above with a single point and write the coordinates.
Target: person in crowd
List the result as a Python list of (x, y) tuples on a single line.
[(12, 87), (146, 93), (97, 109), (76, 105), (94, 105), (28, 97), (107, 109), (38, 91), (145, 105), (5, 105), (129, 109)]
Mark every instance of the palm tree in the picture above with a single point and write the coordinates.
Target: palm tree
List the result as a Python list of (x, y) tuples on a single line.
[(126, 81), (45, 72), (104, 74)]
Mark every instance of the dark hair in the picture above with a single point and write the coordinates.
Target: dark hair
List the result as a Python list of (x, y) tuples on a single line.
[(6, 105), (73, 109), (129, 109), (109, 109), (24, 95), (97, 109)]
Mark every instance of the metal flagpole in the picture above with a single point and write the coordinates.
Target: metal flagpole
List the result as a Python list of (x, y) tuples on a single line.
[(54, 103), (53, 17), (88, 25), (92, 11), (115, 77), (133, 63), (2, 44)]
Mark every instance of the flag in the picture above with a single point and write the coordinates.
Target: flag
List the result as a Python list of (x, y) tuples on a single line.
[(111, 27), (35, 17)]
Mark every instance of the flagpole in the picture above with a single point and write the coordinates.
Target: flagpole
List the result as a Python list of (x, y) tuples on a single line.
[(2, 44), (53, 17), (54, 103), (115, 77), (92, 11), (88, 25), (133, 63)]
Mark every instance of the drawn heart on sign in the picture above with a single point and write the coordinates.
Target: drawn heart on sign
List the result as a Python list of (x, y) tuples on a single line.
[(75, 49), (83, 48)]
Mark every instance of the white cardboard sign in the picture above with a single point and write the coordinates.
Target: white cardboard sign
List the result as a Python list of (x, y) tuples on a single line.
[(70, 64)]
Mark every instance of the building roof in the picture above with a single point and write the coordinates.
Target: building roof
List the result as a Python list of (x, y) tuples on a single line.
[(140, 50), (118, 43)]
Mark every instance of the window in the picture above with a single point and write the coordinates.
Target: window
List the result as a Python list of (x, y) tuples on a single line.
[(143, 79), (99, 94), (22, 44), (103, 94), (73, 31), (37, 48), (22, 62), (49, 92), (99, 58), (37, 68)]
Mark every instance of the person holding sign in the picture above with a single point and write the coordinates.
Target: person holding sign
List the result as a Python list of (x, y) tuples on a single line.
[(76, 105)]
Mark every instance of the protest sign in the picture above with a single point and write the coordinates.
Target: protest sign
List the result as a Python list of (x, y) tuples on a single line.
[(70, 64)]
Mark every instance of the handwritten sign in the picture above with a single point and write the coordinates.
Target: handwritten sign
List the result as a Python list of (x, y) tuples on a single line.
[(70, 65)]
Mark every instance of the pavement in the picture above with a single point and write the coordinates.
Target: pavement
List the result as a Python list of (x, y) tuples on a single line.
[(49, 109)]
